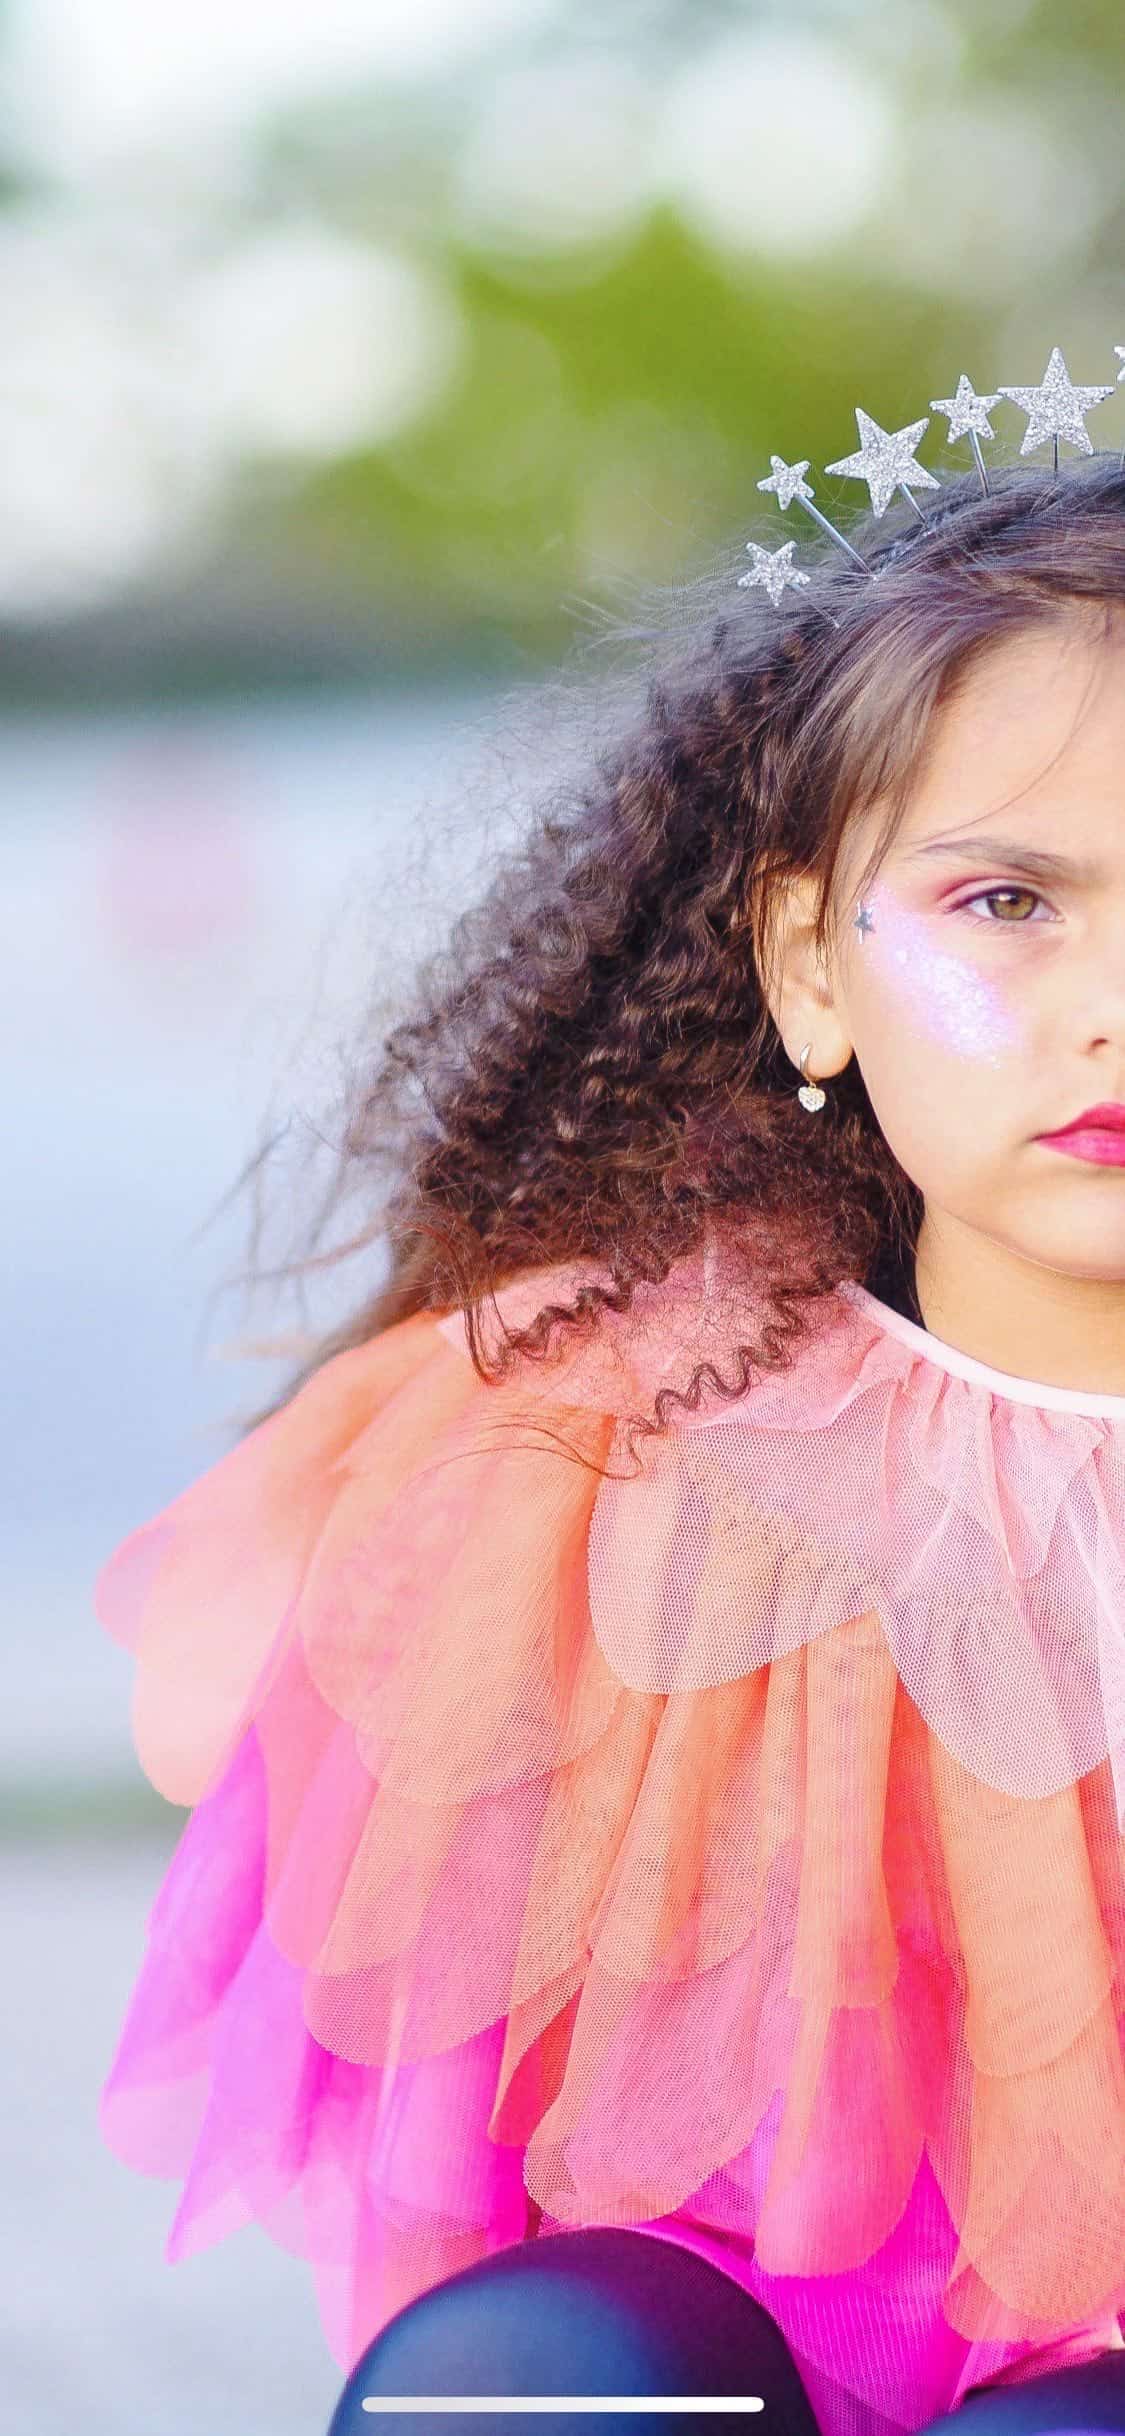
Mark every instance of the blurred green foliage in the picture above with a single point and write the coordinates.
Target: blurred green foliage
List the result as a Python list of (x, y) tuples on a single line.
[(678, 377), (618, 405), (617, 396)]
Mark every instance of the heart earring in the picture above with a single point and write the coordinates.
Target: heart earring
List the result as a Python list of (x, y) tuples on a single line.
[(810, 1094)]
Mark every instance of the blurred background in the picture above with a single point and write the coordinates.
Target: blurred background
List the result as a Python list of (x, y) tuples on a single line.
[(358, 361)]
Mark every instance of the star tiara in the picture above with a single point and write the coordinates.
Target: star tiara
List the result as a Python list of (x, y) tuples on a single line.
[(886, 460)]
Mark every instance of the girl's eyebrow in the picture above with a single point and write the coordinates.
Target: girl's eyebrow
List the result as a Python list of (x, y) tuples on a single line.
[(1035, 860)]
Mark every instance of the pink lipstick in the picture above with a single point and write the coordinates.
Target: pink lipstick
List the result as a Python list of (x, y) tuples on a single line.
[(1097, 1135)]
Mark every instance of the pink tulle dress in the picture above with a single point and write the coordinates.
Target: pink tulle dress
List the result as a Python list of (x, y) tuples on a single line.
[(728, 1842)]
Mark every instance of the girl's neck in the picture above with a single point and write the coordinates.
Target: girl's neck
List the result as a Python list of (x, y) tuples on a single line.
[(892, 1281), (1012, 1315)]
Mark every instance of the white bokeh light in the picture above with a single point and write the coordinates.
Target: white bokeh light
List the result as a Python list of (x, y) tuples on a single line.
[(980, 235), (310, 342), (557, 155), (104, 461), (777, 143), (87, 80), (137, 383)]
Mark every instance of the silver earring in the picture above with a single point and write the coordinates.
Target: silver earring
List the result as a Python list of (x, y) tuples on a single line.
[(810, 1094)]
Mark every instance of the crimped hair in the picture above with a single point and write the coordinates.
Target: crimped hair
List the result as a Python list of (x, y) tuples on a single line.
[(589, 1071)]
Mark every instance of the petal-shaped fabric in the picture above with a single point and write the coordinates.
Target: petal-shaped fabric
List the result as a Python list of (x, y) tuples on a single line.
[(724, 1840)]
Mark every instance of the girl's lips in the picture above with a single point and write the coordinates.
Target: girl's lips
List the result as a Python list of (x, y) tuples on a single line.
[(1103, 1145)]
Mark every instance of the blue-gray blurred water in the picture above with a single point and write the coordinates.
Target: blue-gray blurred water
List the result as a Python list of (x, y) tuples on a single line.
[(193, 908), (194, 904)]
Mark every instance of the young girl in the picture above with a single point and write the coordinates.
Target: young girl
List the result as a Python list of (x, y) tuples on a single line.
[(651, 1694)]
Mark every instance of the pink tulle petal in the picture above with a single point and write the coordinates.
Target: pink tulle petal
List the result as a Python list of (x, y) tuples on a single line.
[(726, 1841)]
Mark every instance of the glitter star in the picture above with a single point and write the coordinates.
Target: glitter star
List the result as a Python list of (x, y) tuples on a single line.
[(1055, 408), (886, 459), (863, 922), (788, 481), (773, 569), (967, 411)]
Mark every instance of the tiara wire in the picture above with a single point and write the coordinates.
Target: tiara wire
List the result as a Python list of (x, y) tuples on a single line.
[(886, 460)]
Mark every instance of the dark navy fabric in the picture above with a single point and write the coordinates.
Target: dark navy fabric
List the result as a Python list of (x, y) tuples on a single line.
[(607, 2310), (1065, 2402), (611, 2310)]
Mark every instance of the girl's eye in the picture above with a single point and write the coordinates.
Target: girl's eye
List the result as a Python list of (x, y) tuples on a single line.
[(1001, 922)]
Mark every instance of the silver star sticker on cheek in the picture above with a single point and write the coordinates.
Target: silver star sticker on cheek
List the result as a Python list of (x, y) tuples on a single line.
[(886, 461), (788, 481), (863, 921), (967, 412), (1055, 408), (773, 569)]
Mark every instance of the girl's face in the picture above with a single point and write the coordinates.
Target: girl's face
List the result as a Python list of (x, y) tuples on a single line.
[(982, 989)]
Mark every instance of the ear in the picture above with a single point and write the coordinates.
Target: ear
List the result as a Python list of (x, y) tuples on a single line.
[(799, 983)]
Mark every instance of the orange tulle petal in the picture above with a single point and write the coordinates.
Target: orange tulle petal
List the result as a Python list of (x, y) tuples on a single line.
[(730, 1842)]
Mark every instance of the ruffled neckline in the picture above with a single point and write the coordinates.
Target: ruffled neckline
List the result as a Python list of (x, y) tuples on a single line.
[(706, 1304), (950, 1358)]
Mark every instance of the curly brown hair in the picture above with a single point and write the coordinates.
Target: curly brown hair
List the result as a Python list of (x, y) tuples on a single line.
[(589, 1071)]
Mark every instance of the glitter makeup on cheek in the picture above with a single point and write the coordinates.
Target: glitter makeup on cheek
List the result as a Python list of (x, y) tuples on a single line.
[(943, 995)]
